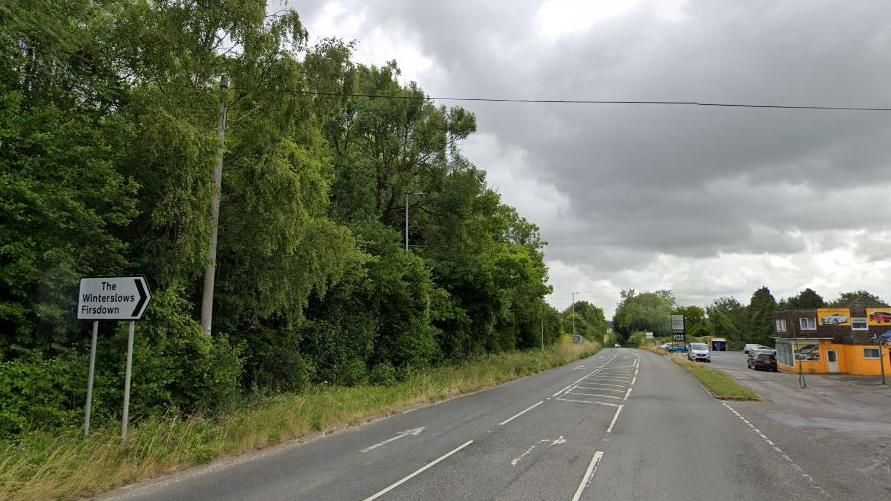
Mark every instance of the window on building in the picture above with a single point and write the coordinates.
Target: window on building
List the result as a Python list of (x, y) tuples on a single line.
[(784, 354), (781, 325), (871, 353), (808, 324), (859, 324)]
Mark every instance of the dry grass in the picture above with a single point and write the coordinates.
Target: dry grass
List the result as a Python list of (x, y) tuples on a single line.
[(62, 465)]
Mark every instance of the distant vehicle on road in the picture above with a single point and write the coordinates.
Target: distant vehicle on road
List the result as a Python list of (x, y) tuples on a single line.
[(880, 317), (747, 349), (617, 345), (699, 352), (665, 346), (762, 360), (677, 348), (835, 319)]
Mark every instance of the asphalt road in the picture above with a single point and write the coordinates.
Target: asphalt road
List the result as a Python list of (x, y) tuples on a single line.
[(838, 427), (624, 424)]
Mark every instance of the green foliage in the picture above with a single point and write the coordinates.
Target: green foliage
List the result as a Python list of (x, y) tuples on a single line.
[(760, 318), (383, 374), (648, 311), (865, 298), (108, 122), (805, 299), (589, 321)]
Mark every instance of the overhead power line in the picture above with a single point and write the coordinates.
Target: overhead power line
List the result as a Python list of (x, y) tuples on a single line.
[(709, 104)]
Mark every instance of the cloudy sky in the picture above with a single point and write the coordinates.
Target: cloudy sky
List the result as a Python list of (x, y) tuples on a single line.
[(705, 201)]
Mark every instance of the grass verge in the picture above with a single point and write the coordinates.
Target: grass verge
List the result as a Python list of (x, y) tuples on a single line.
[(718, 382), (62, 465)]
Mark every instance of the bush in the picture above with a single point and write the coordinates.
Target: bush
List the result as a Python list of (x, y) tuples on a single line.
[(383, 374), (352, 372), (38, 393)]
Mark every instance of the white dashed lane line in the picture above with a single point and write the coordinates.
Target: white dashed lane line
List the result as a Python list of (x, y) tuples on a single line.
[(782, 454)]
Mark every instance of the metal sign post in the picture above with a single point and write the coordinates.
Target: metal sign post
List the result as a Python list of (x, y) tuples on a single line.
[(127, 374), (89, 404), (112, 298)]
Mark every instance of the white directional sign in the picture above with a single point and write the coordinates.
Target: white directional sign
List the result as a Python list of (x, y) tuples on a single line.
[(112, 298)]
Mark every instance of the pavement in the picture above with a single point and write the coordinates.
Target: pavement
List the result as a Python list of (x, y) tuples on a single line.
[(623, 424), (838, 427)]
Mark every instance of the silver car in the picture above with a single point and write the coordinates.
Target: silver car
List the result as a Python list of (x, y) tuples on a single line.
[(699, 352)]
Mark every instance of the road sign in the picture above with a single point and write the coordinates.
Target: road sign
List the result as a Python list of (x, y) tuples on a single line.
[(677, 324), (649, 335), (112, 298)]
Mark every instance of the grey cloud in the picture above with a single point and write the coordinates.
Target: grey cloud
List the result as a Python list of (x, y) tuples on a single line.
[(692, 182)]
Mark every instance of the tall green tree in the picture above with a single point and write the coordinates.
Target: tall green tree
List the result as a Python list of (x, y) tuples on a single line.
[(648, 311), (868, 299), (805, 299), (760, 317), (728, 319)]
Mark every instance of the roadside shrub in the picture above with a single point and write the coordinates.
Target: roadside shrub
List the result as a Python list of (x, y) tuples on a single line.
[(383, 374), (352, 373), (41, 393)]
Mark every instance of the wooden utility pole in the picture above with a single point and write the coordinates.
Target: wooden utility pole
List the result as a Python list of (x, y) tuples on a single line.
[(211, 268)]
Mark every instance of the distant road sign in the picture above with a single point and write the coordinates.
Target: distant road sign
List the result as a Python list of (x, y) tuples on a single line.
[(112, 298), (677, 324)]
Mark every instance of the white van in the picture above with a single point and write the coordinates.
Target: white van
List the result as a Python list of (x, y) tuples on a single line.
[(759, 347)]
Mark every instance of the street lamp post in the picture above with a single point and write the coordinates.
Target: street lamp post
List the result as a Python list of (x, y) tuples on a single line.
[(418, 193)]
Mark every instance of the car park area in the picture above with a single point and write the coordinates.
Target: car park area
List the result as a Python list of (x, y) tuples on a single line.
[(838, 427)]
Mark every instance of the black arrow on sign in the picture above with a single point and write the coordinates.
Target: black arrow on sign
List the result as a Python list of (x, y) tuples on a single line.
[(142, 297)]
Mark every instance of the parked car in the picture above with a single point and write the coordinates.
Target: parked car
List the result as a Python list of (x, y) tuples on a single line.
[(699, 352), (665, 346), (747, 349), (677, 348), (762, 360), (835, 319), (617, 345)]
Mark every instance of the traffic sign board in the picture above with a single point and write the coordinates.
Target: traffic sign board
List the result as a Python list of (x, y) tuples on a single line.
[(112, 298), (677, 324)]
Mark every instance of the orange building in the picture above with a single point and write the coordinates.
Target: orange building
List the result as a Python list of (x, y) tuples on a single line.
[(833, 340)]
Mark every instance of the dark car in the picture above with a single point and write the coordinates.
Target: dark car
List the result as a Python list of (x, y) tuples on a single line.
[(762, 361)]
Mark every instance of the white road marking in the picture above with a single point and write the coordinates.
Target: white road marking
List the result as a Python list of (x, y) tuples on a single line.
[(414, 432), (777, 449), (586, 401), (554, 442), (615, 417), (417, 472), (580, 387), (594, 395), (633, 380), (622, 380), (627, 393), (586, 384), (524, 411), (589, 473), (561, 391)]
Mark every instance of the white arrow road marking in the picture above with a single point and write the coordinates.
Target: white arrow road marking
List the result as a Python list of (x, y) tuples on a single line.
[(554, 442), (414, 432), (592, 468)]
